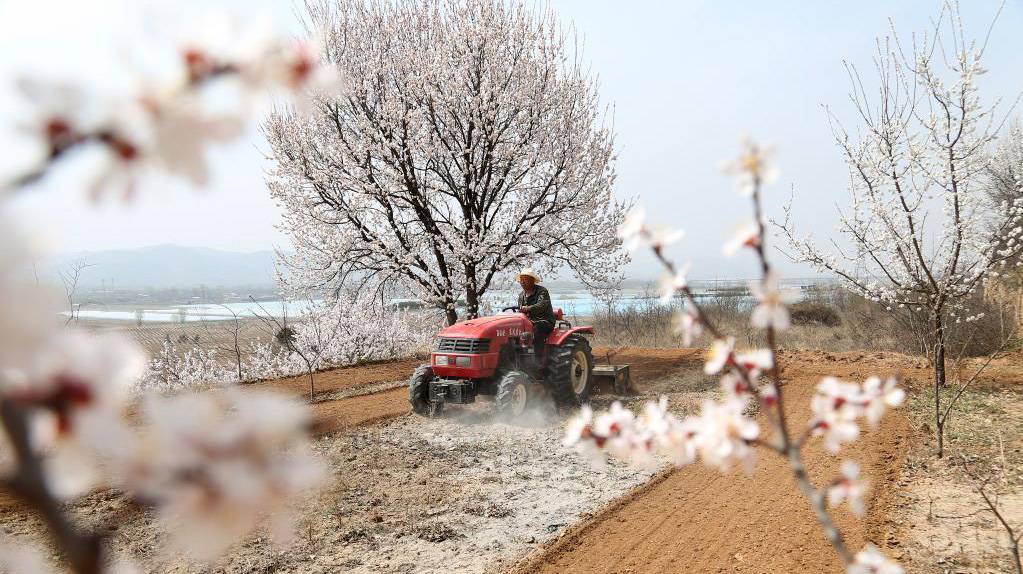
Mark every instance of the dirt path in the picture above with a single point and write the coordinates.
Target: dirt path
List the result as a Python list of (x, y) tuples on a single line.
[(697, 520)]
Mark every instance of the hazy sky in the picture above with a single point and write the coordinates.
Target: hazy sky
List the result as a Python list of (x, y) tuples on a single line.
[(686, 79)]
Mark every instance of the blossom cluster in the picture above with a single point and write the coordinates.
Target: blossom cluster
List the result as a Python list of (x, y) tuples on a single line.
[(167, 125), (213, 465), (216, 466), (720, 435), (197, 456), (837, 406), (329, 334)]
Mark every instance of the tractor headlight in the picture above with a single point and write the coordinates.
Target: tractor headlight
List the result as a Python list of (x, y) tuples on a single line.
[(442, 360), (462, 361)]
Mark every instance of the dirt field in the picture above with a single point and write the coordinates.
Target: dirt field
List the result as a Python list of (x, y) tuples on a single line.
[(467, 493), (688, 520)]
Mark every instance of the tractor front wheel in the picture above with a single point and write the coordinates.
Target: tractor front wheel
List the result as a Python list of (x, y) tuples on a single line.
[(571, 371), (512, 395), (419, 392)]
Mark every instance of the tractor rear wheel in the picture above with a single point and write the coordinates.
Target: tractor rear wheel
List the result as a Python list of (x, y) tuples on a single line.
[(419, 392), (570, 371), (512, 393)]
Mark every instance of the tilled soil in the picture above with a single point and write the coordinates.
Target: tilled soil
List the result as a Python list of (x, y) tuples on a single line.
[(327, 382), (698, 520)]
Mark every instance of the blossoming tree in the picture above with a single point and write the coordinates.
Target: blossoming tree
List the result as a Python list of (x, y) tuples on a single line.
[(922, 236), (63, 392), (470, 141)]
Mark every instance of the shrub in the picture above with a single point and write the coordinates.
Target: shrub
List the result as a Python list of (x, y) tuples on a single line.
[(814, 313)]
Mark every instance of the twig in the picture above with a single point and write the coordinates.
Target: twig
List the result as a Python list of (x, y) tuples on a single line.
[(992, 505), (82, 550)]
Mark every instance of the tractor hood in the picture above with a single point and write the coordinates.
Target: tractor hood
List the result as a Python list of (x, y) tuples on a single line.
[(505, 325)]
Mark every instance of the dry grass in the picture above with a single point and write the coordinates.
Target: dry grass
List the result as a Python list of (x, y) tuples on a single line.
[(941, 521), (827, 318)]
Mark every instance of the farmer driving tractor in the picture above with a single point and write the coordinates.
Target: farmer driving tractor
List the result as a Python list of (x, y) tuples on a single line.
[(535, 302)]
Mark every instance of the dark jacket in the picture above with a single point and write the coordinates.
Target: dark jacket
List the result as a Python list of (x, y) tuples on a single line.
[(538, 305)]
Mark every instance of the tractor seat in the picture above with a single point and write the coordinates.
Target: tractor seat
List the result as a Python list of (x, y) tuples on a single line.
[(559, 314)]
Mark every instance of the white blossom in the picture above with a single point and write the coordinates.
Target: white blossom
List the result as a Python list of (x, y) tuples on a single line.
[(835, 408), (19, 557), (870, 560), (770, 311), (719, 355), (756, 361), (688, 324), (723, 433), (849, 487), (669, 285), (879, 396), (26, 309), (633, 228), (748, 235), (753, 167), (75, 389), (664, 236), (669, 436), (218, 464)]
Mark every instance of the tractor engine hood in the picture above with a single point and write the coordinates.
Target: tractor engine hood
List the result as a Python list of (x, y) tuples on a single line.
[(497, 326)]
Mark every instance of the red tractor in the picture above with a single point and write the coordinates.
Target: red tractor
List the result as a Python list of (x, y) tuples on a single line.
[(495, 356)]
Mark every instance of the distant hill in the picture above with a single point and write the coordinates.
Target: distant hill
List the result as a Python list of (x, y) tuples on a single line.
[(164, 266)]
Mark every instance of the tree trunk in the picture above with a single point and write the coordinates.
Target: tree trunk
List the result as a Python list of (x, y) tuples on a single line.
[(472, 304), (939, 380), (450, 312), (312, 384)]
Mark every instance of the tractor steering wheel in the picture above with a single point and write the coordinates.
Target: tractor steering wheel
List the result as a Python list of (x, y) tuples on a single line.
[(515, 308)]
